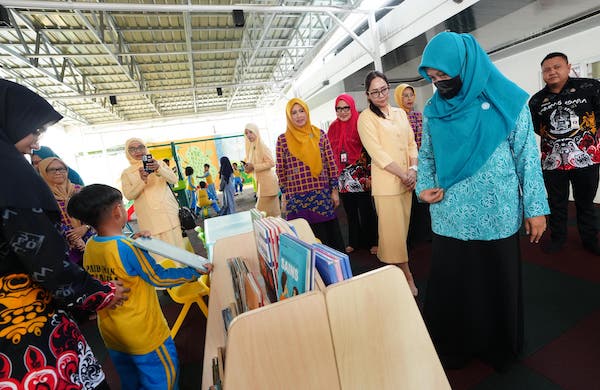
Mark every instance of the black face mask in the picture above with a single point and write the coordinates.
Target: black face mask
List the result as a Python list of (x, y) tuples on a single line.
[(449, 88)]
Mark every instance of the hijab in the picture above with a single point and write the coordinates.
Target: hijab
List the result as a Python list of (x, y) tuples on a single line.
[(303, 142), (45, 152), (398, 95), (135, 165), (22, 112), (466, 129), (225, 170), (257, 150), (63, 191), (343, 136)]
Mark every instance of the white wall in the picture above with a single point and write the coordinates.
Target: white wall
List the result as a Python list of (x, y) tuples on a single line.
[(524, 68)]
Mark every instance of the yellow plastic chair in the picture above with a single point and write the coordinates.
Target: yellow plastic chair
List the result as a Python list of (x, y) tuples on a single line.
[(188, 294)]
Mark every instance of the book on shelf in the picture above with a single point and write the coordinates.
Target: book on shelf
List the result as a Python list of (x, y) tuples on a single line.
[(221, 362), (254, 295), (171, 252), (295, 272), (227, 317), (266, 232), (247, 291), (217, 378), (256, 214), (332, 265)]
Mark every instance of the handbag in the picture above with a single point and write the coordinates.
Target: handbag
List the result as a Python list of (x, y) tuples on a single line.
[(187, 219)]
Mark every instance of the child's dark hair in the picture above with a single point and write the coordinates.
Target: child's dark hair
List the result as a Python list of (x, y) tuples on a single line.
[(189, 171), (92, 203), (202, 184), (206, 165)]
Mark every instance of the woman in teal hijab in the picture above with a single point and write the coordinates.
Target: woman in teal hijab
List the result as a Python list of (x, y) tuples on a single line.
[(45, 152), (479, 168)]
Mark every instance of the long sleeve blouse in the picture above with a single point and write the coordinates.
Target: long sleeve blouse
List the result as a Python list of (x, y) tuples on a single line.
[(155, 205), (490, 204)]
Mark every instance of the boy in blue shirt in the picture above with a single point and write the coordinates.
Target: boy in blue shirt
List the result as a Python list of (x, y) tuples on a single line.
[(137, 336)]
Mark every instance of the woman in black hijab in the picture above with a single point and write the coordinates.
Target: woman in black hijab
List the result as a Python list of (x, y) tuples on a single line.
[(39, 342), (227, 186)]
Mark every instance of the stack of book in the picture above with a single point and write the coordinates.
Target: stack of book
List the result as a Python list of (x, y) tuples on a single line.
[(247, 291), (267, 232), (288, 266), (218, 369), (333, 265)]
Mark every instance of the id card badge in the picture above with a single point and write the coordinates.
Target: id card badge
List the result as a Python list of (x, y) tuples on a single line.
[(344, 158)]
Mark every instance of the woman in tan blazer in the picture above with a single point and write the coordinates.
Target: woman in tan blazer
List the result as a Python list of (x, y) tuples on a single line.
[(260, 161), (388, 137), (156, 208)]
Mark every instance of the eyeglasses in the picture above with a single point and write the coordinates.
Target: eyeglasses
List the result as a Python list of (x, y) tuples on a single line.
[(56, 170), (342, 109), (138, 149), (379, 92)]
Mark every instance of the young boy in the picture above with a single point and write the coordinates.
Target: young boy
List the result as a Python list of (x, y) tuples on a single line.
[(237, 179), (137, 336), (212, 191), (203, 199)]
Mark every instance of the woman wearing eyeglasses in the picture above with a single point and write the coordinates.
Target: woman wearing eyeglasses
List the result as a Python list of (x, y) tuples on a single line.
[(55, 173), (354, 173), (156, 208), (388, 137)]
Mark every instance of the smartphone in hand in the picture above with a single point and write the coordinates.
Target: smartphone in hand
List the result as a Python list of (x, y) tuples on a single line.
[(146, 159)]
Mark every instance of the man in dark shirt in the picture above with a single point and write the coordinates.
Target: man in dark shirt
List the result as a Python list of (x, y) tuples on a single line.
[(564, 115)]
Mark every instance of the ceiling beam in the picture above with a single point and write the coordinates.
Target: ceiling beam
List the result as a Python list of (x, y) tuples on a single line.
[(199, 8), (111, 54)]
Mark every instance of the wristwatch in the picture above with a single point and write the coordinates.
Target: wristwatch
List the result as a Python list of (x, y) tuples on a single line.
[(414, 168)]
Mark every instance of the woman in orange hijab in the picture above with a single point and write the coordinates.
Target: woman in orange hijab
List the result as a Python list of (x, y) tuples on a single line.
[(308, 175), (54, 172)]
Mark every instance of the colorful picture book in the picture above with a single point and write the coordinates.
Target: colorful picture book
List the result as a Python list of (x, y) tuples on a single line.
[(295, 271), (267, 232), (247, 291), (332, 265)]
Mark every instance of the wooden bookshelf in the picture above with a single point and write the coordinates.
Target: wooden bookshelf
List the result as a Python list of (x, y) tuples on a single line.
[(365, 332), (285, 345), (221, 293), (379, 337)]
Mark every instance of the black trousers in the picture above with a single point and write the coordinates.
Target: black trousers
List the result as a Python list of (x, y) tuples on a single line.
[(329, 233), (585, 185), (419, 228), (474, 301), (362, 219)]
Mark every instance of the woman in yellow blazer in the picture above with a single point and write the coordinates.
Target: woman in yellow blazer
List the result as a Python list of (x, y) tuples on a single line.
[(260, 161), (388, 137), (156, 208)]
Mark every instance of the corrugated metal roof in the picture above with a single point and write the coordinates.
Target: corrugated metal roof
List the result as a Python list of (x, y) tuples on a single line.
[(159, 62)]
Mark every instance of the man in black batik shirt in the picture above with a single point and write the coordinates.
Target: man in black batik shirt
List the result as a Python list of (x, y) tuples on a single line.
[(564, 115)]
